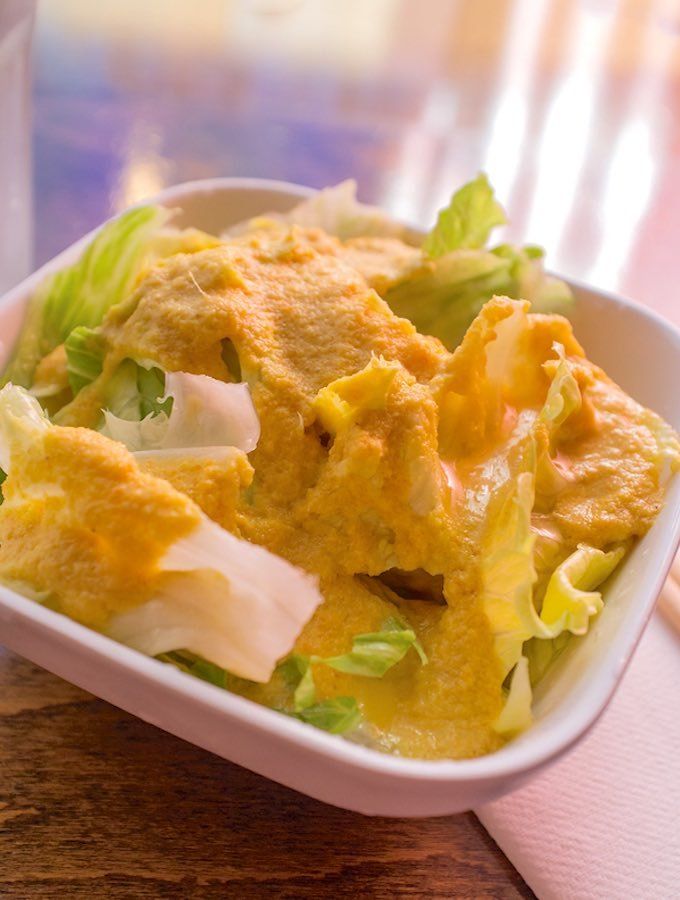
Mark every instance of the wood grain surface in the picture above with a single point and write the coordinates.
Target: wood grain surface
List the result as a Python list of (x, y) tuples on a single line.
[(95, 803)]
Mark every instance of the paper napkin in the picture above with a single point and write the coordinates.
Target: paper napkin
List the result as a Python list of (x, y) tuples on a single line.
[(604, 823)]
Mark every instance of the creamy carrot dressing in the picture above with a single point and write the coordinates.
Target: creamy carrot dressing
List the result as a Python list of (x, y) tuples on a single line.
[(442, 506)]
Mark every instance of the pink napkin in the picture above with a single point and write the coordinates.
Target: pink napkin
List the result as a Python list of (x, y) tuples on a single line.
[(605, 822)]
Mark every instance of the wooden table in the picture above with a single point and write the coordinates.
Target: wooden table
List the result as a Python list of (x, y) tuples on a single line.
[(572, 108), (95, 803)]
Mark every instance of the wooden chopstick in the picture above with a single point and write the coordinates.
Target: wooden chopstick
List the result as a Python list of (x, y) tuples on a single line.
[(669, 600)]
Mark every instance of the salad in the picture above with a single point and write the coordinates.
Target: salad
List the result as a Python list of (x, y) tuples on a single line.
[(367, 480)]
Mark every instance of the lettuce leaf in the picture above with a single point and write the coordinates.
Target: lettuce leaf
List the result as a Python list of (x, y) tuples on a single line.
[(337, 211), (337, 715), (527, 641), (340, 403), (231, 602), (82, 293), (443, 296), (204, 412), (198, 667), (569, 604), (22, 421), (571, 599), (508, 573), (667, 458), (473, 212), (374, 654), (564, 394), (516, 714), (134, 391), (85, 348), (542, 653), (443, 299)]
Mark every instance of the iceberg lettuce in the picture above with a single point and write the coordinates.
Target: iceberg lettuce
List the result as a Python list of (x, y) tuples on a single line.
[(472, 214), (82, 293), (571, 599), (337, 210), (204, 412), (508, 573), (459, 275), (519, 621), (340, 403), (372, 656), (231, 602), (516, 714)]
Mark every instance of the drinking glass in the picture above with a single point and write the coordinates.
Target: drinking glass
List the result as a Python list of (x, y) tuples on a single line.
[(16, 207)]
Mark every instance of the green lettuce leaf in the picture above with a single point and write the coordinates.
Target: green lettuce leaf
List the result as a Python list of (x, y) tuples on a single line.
[(443, 299), (443, 296), (136, 391), (82, 293), (564, 394), (569, 603), (467, 221), (374, 654), (571, 599), (198, 667), (371, 656), (542, 653), (201, 412), (297, 672), (85, 349), (337, 715), (516, 715)]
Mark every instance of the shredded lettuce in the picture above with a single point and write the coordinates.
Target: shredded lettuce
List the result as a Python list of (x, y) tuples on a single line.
[(513, 548), (516, 714), (508, 574), (134, 391), (338, 715), (198, 667), (340, 403), (82, 293), (443, 296), (571, 599), (85, 348), (204, 412), (372, 656), (231, 602), (467, 221)]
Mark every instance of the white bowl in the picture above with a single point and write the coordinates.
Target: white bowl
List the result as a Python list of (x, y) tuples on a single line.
[(636, 347)]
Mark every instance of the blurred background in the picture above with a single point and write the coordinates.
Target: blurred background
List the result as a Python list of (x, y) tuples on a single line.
[(571, 106)]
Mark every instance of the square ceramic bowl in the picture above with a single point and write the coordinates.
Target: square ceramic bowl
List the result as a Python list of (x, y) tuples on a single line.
[(637, 348)]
